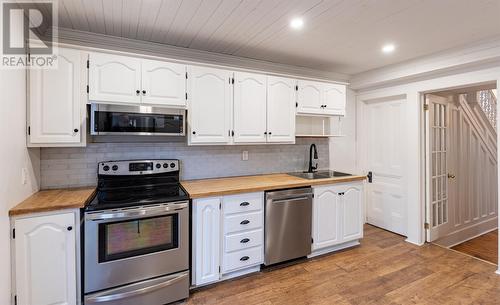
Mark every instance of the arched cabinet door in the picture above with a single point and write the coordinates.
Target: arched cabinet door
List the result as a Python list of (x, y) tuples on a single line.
[(56, 108), (309, 97), (114, 79), (281, 97), (45, 260), (326, 212), (163, 83), (209, 105), (352, 212), (334, 99)]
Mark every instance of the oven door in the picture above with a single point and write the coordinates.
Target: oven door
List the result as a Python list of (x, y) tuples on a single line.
[(129, 245), (136, 120)]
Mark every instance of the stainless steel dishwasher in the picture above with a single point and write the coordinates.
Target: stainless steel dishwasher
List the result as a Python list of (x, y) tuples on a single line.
[(288, 218)]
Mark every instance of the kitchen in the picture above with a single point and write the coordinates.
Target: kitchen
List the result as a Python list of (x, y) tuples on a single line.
[(162, 174)]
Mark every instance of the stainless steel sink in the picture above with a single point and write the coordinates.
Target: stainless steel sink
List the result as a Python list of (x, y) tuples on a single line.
[(320, 175)]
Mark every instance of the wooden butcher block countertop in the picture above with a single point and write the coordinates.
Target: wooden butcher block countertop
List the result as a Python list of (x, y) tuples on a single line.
[(51, 200), (246, 184)]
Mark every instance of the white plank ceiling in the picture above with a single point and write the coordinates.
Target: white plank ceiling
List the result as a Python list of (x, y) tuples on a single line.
[(339, 35)]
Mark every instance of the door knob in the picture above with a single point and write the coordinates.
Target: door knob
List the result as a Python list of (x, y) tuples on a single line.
[(451, 176)]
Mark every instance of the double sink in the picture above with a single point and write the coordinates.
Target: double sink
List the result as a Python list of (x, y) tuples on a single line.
[(320, 174)]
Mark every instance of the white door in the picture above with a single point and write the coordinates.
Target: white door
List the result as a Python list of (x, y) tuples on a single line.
[(437, 210), (114, 79), (281, 96), (45, 257), (326, 213), (206, 240), (352, 212), (163, 83), (309, 97), (249, 107), (57, 101), (209, 105), (384, 154), (334, 99)]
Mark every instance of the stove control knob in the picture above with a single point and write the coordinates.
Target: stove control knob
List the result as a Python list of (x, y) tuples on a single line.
[(165, 165), (172, 165), (158, 165), (105, 168), (115, 167)]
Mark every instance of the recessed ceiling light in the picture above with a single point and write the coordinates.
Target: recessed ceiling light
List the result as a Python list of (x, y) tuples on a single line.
[(388, 48), (296, 23)]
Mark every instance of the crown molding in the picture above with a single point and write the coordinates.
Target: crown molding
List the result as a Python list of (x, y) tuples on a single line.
[(471, 57), (98, 42)]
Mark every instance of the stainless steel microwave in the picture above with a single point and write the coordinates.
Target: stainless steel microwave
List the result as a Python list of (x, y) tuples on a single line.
[(106, 119)]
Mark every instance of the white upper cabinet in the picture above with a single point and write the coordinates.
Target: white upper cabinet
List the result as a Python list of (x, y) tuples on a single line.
[(318, 98), (56, 104), (249, 107), (163, 83), (209, 105), (334, 99), (45, 260), (309, 97), (114, 79), (281, 97)]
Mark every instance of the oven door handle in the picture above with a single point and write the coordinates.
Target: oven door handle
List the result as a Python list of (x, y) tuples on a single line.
[(122, 293), (126, 214)]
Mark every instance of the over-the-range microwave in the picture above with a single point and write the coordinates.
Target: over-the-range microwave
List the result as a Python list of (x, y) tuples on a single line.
[(108, 119)]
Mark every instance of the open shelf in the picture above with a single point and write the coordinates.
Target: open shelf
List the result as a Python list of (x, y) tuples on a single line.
[(317, 127)]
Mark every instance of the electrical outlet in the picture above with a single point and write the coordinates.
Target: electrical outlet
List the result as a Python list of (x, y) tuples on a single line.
[(24, 176), (244, 155)]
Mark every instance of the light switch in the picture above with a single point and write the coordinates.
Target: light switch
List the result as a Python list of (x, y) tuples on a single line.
[(244, 155)]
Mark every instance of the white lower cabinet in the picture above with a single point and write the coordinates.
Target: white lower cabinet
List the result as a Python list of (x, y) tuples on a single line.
[(228, 237), (337, 216), (46, 263)]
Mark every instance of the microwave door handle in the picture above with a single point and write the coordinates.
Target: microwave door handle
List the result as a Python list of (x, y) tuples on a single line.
[(119, 293)]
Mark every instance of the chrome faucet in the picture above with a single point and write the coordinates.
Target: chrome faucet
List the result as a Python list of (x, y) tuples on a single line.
[(312, 168)]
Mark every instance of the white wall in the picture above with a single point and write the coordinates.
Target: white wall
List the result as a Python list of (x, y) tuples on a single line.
[(343, 150), (15, 156)]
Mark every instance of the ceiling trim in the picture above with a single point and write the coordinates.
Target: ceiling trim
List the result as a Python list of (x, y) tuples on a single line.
[(97, 41), (469, 57)]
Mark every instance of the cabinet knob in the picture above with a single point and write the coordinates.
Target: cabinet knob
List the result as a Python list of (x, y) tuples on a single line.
[(137, 92), (244, 240), (244, 204), (265, 132), (270, 133), (244, 258), (75, 130), (194, 132), (69, 228), (245, 222), (144, 92)]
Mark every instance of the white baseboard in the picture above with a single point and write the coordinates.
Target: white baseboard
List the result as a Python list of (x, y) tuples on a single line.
[(333, 248), (469, 233)]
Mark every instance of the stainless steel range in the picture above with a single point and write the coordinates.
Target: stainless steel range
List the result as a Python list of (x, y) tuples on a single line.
[(136, 234)]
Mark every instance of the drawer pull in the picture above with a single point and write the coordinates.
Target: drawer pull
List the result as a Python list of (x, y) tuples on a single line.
[(244, 258), (245, 222), (244, 204), (244, 240)]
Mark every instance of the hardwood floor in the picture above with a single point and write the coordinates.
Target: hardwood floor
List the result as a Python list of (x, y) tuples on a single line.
[(384, 269), (483, 247)]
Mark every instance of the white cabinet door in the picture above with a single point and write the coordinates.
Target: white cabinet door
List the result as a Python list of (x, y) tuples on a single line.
[(206, 240), (114, 79), (209, 106), (249, 108), (57, 101), (352, 212), (334, 99), (281, 97), (309, 97), (45, 266), (163, 83), (326, 216)]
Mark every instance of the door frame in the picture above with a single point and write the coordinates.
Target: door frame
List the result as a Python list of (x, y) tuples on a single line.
[(414, 93)]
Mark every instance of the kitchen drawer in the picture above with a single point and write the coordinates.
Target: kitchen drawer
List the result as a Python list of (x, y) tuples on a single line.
[(243, 222), (241, 259), (245, 240), (243, 203)]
